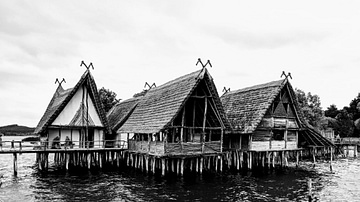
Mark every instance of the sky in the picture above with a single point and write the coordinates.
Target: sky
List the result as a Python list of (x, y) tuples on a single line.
[(133, 42)]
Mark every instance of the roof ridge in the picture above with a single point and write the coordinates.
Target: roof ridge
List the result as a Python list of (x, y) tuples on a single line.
[(259, 86), (175, 80)]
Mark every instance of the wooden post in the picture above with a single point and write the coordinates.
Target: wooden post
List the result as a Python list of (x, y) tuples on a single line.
[(191, 164), (241, 159), (163, 167), (182, 167), (331, 158), (237, 158), (146, 163), (221, 163), (196, 165), (100, 159), (67, 161), (273, 159), (355, 150), (153, 164), (89, 160), (173, 165), (15, 164), (250, 160), (216, 163), (201, 164), (193, 123), (204, 124), (297, 159), (314, 159), (182, 129), (310, 189)]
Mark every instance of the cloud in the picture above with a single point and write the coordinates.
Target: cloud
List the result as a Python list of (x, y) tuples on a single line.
[(263, 40)]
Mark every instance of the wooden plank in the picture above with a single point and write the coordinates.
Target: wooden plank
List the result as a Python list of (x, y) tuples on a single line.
[(277, 144), (260, 145)]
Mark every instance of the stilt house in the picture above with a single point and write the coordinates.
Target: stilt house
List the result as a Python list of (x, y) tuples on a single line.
[(75, 115), (116, 118), (182, 117), (266, 117)]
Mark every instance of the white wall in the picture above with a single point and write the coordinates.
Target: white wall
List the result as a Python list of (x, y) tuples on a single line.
[(65, 117), (121, 139), (98, 138)]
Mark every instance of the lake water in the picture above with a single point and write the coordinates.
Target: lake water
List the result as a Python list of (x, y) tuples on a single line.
[(343, 184)]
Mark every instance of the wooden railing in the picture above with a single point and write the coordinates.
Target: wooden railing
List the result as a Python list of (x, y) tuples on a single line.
[(347, 140), (66, 145)]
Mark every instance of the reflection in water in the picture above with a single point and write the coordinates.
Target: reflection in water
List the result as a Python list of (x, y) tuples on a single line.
[(129, 185)]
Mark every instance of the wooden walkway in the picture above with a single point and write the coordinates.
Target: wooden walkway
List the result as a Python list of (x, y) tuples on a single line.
[(66, 155)]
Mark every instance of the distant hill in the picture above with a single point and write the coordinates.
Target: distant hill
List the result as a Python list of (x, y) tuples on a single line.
[(16, 130)]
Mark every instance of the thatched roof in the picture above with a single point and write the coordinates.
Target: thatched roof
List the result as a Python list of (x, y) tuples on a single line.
[(62, 97), (245, 108), (309, 137), (160, 105), (119, 113)]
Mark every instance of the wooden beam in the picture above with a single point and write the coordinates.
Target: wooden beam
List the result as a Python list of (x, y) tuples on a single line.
[(182, 127), (200, 97), (193, 123), (204, 120), (190, 127)]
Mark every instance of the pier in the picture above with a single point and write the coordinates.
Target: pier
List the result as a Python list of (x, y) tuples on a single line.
[(73, 157), (68, 156)]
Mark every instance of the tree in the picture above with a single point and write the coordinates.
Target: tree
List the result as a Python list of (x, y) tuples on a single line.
[(346, 124), (107, 98), (332, 111), (354, 107), (310, 107)]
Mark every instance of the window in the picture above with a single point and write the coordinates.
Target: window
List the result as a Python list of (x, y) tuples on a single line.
[(278, 135)]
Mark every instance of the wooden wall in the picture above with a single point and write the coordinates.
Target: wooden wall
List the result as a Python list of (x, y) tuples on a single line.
[(186, 148)]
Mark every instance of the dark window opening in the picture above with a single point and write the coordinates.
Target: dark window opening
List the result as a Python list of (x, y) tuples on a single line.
[(278, 135)]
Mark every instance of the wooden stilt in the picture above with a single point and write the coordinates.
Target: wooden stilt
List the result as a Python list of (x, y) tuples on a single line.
[(67, 161), (15, 164), (216, 163), (173, 166), (196, 165), (331, 158), (182, 167), (221, 163), (191, 164), (163, 167), (355, 151), (209, 163), (100, 159), (238, 159), (89, 160), (153, 164), (297, 159), (241, 159), (46, 161), (201, 164), (313, 154), (250, 160), (178, 166), (273, 159)]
